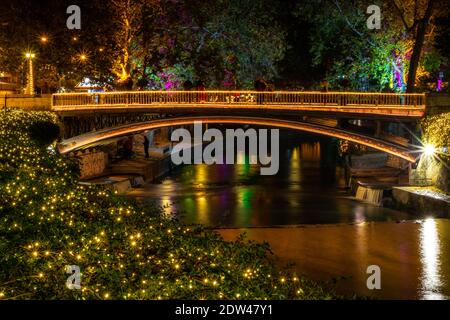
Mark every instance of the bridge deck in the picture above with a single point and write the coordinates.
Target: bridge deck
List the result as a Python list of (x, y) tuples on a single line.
[(387, 104)]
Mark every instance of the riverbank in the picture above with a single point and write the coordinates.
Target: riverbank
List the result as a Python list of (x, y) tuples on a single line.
[(123, 175)]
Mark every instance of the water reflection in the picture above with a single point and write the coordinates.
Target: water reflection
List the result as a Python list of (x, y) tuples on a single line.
[(414, 257), (310, 151), (201, 174), (430, 254), (308, 189)]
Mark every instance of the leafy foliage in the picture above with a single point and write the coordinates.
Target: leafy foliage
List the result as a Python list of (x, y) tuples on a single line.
[(356, 57), (127, 43), (436, 131)]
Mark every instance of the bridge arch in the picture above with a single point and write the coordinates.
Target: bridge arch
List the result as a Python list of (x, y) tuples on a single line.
[(91, 138)]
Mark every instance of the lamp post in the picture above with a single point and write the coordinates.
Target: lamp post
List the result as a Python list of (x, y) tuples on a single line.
[(29, 89)]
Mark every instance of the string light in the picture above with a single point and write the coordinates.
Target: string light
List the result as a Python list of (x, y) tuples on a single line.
[(68, 224)]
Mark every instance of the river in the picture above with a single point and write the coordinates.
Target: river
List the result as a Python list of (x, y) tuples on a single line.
[(308, 217)]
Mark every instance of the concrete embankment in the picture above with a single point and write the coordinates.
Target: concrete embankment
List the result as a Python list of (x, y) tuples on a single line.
[(376, 179), (423, 201), (126, 174)]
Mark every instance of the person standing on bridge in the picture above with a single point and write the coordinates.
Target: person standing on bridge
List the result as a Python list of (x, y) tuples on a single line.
[(187, 86), (260, 86), (324, 85), (146, 146), (201, 95), (128, 147)]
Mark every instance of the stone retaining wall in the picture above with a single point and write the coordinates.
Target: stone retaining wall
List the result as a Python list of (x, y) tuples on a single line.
[(423, 205), (26, 102), (92, 164), (438, 103)]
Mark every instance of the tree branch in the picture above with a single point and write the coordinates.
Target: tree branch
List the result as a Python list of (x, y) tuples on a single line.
[(416, 4), (351, 26), (346, 19), (402, 16)]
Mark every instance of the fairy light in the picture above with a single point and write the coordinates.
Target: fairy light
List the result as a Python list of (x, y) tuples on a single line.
[(75, 224)]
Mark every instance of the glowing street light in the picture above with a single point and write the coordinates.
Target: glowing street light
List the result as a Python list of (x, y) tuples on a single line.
[(29, 89), (44, 39), (82, 57), (429, 150)]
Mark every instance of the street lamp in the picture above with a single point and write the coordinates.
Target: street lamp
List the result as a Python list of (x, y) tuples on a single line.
[(429, 150), (29, 89)]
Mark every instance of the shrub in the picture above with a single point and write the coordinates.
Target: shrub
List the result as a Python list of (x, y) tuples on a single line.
[(48, 221), (44, 132)]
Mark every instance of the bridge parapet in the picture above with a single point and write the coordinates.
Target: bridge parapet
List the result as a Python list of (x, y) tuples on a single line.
[(355, 102)]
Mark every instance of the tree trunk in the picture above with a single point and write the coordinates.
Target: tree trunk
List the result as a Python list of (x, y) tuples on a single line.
[(418, 45)]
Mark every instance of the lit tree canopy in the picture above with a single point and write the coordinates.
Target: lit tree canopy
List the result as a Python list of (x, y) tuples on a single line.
[(160, 44), (398, 55), (67, 55), (143, 43), (222, 43)]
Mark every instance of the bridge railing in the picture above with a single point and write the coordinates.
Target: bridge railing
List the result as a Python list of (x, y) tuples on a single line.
[(148, 98)]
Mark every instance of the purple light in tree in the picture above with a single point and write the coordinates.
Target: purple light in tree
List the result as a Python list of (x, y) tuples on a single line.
[(398, 76)]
